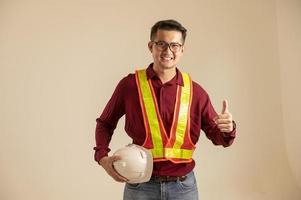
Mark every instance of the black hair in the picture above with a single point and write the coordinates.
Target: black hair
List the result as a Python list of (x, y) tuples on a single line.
[(169, 25)]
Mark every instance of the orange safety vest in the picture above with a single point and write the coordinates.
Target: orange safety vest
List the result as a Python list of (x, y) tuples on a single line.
[(178, 147)]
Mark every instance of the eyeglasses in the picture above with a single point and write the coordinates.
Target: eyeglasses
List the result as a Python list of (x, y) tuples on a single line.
[(173, 46)]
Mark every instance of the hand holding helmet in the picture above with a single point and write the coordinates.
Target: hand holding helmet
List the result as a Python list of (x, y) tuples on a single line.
[(107, 163), (135, 163)]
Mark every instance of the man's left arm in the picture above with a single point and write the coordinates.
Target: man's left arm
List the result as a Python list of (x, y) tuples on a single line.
[(219, 128), (225, 124)]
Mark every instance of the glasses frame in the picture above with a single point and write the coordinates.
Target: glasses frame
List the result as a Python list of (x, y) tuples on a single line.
[(168, 45)]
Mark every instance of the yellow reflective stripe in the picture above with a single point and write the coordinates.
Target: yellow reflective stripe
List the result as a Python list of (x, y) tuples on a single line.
[(157, 153), (183, 112), (178, 153), (150, 110)]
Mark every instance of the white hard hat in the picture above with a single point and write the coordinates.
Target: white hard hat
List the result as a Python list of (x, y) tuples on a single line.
[(136, 163)]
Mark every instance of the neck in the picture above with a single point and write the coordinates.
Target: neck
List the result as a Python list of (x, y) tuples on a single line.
[(165, 75)]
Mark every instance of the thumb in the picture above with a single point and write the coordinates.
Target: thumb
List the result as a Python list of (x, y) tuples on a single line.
[(115, 158), (225, 107)]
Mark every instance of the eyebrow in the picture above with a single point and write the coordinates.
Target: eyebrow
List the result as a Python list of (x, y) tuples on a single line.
[(168, 43)]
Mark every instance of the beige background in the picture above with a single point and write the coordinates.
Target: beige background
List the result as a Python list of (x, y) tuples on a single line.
[(60, 62)]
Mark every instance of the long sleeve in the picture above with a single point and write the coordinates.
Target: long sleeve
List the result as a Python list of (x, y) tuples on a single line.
[(210, 128), (108, 120)]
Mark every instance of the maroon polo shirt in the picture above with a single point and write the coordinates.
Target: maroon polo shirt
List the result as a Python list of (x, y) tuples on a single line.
[(125, 101)]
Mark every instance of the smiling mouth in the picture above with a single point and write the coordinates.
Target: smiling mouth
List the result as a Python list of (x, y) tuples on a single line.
[(165, 58)]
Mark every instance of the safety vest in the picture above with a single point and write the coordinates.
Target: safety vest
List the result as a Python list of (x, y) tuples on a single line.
[(178, 147)]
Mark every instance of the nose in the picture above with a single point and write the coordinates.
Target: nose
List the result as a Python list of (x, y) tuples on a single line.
[(168, 49)]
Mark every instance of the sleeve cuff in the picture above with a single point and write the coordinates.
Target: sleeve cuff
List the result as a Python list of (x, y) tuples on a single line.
[(231, 134), (99, 154)]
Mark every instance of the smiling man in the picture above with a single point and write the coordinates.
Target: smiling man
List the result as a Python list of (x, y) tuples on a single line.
[(165, 112)]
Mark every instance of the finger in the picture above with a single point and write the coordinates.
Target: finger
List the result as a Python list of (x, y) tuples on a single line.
[(224, 121), (225, 107), (115, 158), (222, 126), (118, 177), (115, 175), (225, 130), (225, 116)]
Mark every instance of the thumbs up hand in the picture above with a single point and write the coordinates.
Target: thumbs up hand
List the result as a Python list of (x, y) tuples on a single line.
[(224, 120)]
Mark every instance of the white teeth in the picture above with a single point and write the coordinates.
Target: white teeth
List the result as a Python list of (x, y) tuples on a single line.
[(167, 58)]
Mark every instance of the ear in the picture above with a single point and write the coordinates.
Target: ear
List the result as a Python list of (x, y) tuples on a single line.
[(150, 46), (183, 48)]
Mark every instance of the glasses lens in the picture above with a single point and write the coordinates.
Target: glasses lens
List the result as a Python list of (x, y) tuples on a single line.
[(175, 47), (161, 45)]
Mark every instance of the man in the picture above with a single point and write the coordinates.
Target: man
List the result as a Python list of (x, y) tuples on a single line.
[(163, 100)]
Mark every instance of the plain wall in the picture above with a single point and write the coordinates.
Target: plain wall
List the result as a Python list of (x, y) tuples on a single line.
[(289, 47), (60, 62)]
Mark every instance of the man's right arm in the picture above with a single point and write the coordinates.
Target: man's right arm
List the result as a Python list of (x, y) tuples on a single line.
[(106, 125)]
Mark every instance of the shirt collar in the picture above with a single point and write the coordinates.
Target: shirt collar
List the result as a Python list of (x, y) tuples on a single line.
[(151, 74)]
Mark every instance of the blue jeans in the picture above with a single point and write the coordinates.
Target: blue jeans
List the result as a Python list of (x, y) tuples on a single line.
[(176, 190)]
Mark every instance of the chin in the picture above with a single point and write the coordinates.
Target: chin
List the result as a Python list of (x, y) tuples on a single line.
[(168, 66)]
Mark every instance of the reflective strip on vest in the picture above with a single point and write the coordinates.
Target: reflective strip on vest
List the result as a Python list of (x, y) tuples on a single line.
[(151, 113), (178, 153), (159, 150), (183, 112)]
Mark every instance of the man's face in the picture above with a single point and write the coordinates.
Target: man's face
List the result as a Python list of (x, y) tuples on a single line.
[(166, 57)]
